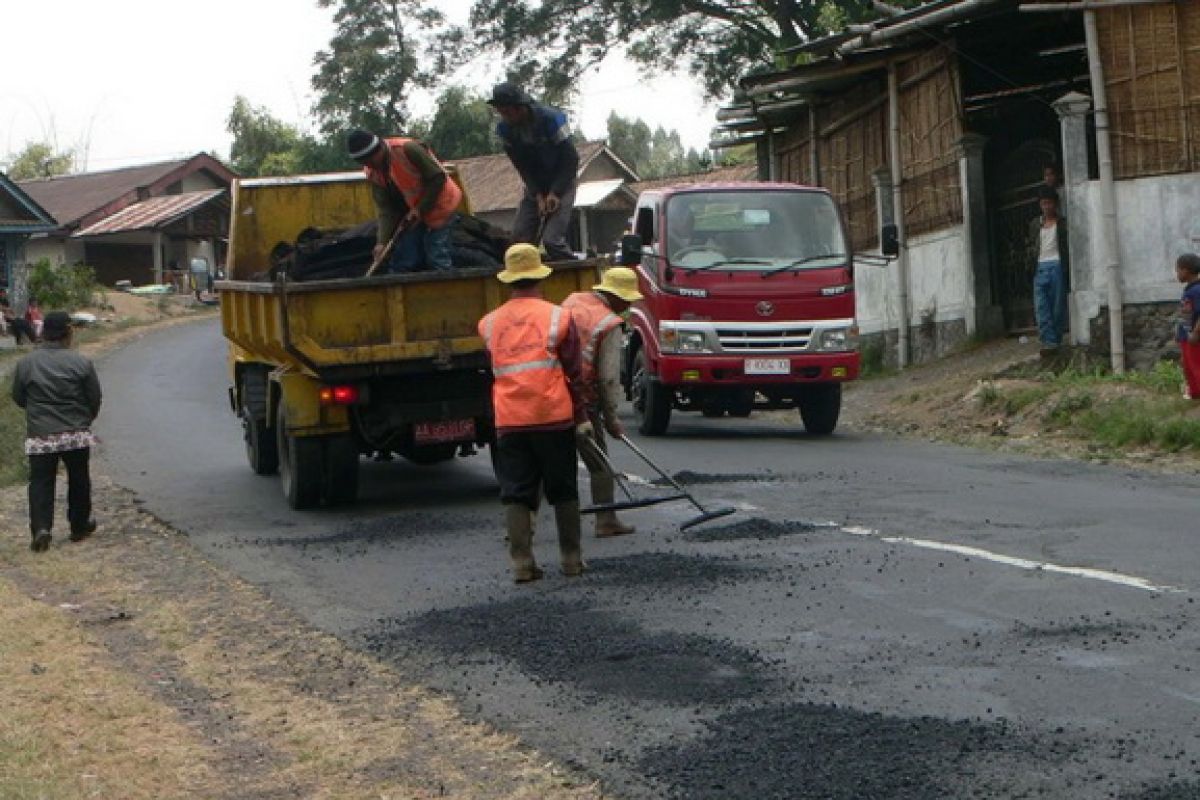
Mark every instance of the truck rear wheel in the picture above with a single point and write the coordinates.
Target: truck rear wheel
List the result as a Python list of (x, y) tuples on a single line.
[(820, 406), (340, 479), (300, 467), (261, 450), (651, 400)]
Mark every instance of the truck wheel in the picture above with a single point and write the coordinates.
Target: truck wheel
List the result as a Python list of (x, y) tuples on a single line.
[(651, 400), (261, 451), (820, 405), (340, 483), (300, 470), (741, 404)]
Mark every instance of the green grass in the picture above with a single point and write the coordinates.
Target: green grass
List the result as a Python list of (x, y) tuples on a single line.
[(14, 467)]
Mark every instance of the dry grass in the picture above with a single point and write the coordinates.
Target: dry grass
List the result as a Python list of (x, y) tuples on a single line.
[(75, 726)]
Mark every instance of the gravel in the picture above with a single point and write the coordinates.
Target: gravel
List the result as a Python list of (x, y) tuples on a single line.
[(753, 528)]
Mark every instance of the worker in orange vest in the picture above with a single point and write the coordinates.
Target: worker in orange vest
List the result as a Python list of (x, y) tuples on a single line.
[(413, 192), (537, 366), (597, 315)]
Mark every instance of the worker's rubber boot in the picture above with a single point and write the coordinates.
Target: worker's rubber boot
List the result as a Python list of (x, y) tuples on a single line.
[(607, 523), (40, 542), (570, 548), (519, 521)]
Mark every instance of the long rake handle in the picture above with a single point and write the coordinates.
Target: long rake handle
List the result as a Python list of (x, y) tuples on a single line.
[(598, 451), (637, 450)]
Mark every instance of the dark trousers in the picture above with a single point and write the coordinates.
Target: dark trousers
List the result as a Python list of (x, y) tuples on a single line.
[(529, 462), (43, 472)]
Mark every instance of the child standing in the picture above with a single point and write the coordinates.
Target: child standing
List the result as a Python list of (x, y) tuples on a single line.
[(1187, 270)]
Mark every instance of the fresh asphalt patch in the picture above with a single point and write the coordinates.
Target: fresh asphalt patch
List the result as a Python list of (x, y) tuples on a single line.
[(690, 478), (567, 641), (802, 750), (660, 570), (753, 528)]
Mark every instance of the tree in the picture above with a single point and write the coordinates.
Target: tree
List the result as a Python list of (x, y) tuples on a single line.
[(264, 145), (40, 160), (715, 40), (373, 63), (461, 125), (657, 154)]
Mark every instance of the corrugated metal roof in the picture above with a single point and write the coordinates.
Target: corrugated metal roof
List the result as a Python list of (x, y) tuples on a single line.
[(156, 212), (746, 172)]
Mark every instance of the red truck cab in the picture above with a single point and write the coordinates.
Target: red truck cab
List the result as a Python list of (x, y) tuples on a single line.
[(749, 304)]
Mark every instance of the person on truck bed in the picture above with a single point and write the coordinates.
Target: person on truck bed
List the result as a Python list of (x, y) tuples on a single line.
[(597, 317), (537, 140), (539, 411), (412, 190)]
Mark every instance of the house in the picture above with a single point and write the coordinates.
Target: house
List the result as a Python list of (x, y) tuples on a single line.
[(603, 199), (20, 218), (733, 174), (940, 120), (136, 222)]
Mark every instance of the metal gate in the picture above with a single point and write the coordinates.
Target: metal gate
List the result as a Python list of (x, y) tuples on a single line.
[(1013, 203)]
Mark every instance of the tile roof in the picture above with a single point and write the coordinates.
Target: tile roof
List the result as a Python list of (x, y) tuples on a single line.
[(494, 185), (157, 212), (70, 198), (744, 172)]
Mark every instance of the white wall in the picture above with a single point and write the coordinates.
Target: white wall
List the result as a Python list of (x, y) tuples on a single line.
[(1158, 218), (58, 251), (939, 284)]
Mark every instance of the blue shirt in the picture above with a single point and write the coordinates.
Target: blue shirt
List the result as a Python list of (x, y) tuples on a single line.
[(1189, 310), (541, 150)]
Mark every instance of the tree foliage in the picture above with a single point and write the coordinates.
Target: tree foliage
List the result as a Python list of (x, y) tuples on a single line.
[(374, 61), (652, 154), (264, 145), (40, 160), (552, 42), (462, 125)]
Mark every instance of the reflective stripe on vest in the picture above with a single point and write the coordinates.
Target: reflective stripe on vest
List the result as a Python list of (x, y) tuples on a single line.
[(530, 388), (593, 320), (405, 176)]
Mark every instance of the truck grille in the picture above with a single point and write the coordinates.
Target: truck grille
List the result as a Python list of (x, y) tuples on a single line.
[(781, 340)]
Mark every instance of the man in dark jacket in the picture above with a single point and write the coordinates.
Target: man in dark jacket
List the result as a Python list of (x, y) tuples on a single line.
[(60, 393), (1048, 253), (537, 140)]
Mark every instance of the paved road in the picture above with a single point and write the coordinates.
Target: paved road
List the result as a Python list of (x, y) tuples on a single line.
[(883, 619)]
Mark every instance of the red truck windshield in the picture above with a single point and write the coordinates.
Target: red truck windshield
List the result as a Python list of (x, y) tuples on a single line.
[(753, 230)]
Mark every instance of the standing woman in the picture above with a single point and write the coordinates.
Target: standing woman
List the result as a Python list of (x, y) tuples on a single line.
[(60, 393)]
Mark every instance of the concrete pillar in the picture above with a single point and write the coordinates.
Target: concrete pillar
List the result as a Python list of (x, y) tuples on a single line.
[(1073, 110), (985, 317), (158, 257)]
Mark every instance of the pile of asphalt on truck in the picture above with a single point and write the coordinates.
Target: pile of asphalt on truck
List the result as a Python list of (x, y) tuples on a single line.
[(748, 303)]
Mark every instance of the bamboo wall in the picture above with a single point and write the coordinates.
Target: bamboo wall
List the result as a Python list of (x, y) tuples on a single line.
[(1151, 58), (851, 144)]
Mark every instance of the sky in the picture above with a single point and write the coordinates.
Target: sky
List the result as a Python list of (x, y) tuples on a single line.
[(137, 81)]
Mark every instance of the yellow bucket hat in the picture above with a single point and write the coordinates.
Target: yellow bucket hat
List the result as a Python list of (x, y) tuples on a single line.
[(523, 262), (621, 281)]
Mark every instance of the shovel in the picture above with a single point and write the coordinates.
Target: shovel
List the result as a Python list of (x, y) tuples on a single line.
[(391, 245)]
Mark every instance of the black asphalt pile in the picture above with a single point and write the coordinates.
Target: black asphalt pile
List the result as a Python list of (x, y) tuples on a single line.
[(1183, 790), (753, 528), (1085, 633), (595, 652), (806, 751), (657, 571), (357, 538), (689, 478)]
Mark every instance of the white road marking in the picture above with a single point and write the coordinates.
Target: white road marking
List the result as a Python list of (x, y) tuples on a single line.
[(1119, 578)]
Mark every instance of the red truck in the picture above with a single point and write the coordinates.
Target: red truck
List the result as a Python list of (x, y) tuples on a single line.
[(749, 304)]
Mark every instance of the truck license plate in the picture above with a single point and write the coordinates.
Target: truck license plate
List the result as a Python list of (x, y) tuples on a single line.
[(768, 366), (451, 430)]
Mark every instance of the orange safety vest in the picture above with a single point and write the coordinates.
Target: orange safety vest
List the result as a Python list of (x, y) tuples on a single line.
[(405, 176), (530, 388), (593, 320)]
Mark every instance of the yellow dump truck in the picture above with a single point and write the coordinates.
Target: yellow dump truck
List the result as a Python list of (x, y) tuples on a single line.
[(327, 371)]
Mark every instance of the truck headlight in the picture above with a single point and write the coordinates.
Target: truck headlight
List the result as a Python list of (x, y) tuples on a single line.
[(839, 339), (677, 341)]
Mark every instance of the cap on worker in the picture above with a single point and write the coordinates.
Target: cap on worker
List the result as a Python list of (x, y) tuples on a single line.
[(621, 281), (361, 144), (509, 94), (56, 325), (523, 262)]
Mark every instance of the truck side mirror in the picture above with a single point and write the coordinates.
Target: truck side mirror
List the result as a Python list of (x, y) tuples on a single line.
[(889, 240), (631, 250)]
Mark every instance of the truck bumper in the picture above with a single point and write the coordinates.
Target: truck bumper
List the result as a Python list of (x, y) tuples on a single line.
[(683, 371)]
